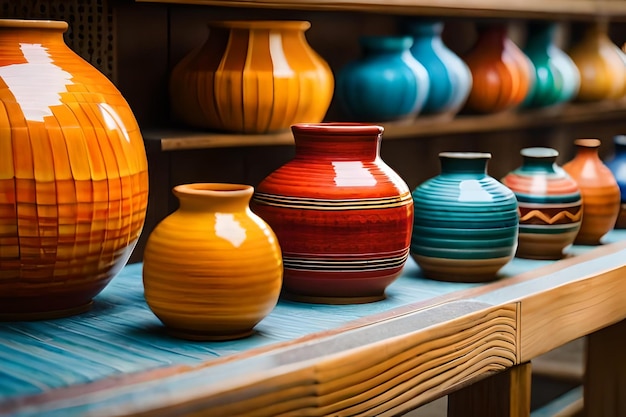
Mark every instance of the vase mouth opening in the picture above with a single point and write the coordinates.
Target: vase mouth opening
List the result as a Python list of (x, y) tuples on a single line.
[(465, 155), (261, 24), (587, 143), (213, 188), (539, 152), (338, 128), (33, 24)]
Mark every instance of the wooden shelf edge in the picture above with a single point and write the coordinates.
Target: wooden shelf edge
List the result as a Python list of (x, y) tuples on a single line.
[(163, 140), (484, 8)]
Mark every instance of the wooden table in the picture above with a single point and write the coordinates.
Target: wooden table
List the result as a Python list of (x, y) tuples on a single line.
[(427, 339)]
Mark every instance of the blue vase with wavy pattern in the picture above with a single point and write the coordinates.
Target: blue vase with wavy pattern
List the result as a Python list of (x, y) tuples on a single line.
[(386, 83), (450, 78), (557, 79), (465, 224)]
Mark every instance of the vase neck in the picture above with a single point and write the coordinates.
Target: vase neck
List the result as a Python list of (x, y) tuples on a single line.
[(213, 197), (493, 35), (588, 148), (337, 141), (542, 35), (473, 164), (539, 161), (382, 45)]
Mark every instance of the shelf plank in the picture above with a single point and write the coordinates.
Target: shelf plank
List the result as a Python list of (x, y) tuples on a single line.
[(483, 8), (162, 140)]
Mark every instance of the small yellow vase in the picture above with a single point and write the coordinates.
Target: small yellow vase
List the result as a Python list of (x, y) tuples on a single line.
[(601, 65), (212, 269), (252, 77)]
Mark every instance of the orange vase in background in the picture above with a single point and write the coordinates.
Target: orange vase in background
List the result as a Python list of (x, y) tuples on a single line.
[(502, 74), (601, 64), (599, 189), (73, 175), (212, 269), (252, 77)]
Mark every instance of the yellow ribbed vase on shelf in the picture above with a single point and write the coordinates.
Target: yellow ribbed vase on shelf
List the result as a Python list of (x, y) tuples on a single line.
[(212, 269), (73, 175), (251, 77)]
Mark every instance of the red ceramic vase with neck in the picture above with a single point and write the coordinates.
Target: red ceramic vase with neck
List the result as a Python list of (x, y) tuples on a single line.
[(342, 216)]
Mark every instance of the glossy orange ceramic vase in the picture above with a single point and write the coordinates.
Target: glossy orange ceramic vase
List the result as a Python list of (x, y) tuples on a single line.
[(342, 216), (549, 203), (212, 269), (502, 74), (599, 189), (73, 175), (252, 77), (601, 65)]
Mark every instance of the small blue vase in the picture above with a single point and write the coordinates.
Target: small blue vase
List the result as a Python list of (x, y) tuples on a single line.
[(386, 83), (450, 77), (465, 226), (617, 164), (557, 79)]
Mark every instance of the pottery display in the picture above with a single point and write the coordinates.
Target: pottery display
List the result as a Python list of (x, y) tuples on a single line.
[(550, 204), (212, 269), (73, 175), (342, 216), (465, 227), (600, 192), (251, 77), (601, 65), (385, 83), (502, 74), (557, 79), (617, 164), (450, 78)]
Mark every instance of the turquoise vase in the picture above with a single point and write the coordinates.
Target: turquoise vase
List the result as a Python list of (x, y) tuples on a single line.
[(617, 164), (386, 83), (557, 79), (450, 78), (550, 204), (465, 225)]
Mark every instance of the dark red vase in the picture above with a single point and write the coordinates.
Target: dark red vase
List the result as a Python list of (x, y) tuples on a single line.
[(342, 216)]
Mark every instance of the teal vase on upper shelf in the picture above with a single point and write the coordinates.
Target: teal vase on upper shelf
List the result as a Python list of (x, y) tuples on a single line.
[(386, 83), (557, 79), (450, 78), (617, 164), (465, 224)]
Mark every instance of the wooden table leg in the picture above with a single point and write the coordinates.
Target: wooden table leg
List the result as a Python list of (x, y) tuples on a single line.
[(506, 394), (605, 374)]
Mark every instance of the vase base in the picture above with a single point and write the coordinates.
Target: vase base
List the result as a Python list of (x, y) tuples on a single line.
[(46, 315), (314, 299), (461, 270), (206, 336)]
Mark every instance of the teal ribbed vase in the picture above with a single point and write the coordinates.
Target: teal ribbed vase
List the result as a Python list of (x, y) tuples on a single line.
[(465, 222)]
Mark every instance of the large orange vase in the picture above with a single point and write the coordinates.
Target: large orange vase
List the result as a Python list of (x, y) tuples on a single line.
[(252, 77), (73, 175), (502, 74), (212, 269), (599, 189), (600, 63)]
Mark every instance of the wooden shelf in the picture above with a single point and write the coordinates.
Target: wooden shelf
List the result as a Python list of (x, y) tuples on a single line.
[(483, 8), (159, 140)]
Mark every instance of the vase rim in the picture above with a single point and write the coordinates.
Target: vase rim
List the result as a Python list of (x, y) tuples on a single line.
[(214, 189), (261, 24), (465, 155), (343, 128), (33, 24), (539, 152), (588, 143)]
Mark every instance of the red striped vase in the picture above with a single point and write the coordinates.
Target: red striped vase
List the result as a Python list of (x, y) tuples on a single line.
[(342, 216)]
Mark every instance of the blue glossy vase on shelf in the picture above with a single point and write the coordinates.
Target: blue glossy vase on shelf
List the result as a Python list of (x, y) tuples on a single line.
[(557, 79), (386, 83), (450, 78), (465, 226), (617, 164)]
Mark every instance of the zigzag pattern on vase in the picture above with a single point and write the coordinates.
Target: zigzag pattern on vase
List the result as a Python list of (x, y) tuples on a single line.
[(538, 214)]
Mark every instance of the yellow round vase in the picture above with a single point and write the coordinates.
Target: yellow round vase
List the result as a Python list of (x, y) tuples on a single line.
[(212, 269), (252, 77), (73, 175)]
